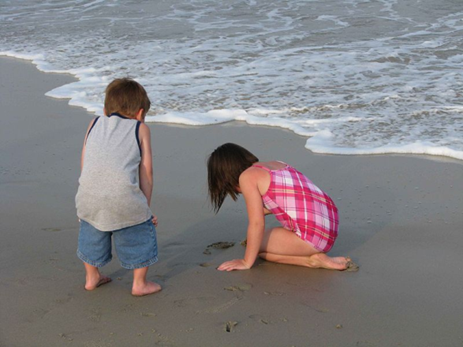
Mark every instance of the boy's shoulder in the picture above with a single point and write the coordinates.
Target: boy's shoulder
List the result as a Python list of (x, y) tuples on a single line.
[(92, 124), (144, 127), (144, 132)]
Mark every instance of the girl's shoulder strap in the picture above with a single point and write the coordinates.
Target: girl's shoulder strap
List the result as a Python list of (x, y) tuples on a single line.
[(261, 167)]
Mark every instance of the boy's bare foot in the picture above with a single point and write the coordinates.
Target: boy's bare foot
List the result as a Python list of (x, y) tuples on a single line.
[(94, 282), (321, 260), (146, 288)]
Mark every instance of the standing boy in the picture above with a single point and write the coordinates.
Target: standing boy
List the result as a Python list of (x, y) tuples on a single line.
[(115, 186)]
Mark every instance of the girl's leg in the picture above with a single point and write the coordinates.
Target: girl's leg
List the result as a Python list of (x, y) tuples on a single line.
[(141, 286), (283, 246), (94, 278)]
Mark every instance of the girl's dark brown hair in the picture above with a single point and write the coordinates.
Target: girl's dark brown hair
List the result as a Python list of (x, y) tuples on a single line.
[(224, 168)]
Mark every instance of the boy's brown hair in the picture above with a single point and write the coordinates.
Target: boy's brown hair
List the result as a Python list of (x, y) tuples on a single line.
[(224, 167), (127, 97)]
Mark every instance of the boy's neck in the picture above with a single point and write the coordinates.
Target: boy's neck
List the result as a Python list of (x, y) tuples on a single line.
[(118, 115)]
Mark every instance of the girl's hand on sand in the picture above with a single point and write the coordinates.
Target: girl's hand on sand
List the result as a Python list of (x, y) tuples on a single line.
[(155, 220), (236, 264)]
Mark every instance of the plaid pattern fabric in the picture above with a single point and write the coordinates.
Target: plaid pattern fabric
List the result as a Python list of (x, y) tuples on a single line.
[(302, 207)]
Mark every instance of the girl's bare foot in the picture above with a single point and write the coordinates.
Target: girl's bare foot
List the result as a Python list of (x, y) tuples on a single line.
[(145, 288), (321, 260), (93, 282)]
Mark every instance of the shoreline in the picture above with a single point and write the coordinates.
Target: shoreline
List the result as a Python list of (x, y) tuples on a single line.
[(317, 146), (401, 221)]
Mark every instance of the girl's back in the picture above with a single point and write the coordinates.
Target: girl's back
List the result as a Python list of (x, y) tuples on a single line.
[(300, 205)]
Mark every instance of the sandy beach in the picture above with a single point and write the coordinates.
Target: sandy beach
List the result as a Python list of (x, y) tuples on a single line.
[(401, 221)]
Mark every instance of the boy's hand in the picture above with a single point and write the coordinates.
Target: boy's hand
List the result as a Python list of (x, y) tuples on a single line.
[(155, 220), (236, 264)]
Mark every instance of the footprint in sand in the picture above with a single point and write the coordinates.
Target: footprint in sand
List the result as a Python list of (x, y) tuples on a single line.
[(188, 302), (275, 293), (221, 245), (41, 312), (230, 326), (218, 245), (206, 264), (64, 300), (147, 314), (95, 315), (259, 318), (222, 307), (51, 229), (66, 336), (239, 287), (351, 266), (318, 309)]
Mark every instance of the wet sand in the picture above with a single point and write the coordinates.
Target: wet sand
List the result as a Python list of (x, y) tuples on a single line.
[(401, 221)]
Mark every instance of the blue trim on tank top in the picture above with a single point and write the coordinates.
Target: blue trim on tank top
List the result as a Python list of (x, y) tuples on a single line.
[(94, 122), (118, 115), (137, 129)]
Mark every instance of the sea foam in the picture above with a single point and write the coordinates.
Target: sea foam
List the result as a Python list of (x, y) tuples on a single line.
[(355, 77)]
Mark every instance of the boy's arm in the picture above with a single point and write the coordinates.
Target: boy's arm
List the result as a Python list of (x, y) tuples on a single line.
[(82, 156), (146, 164), (85, 141)]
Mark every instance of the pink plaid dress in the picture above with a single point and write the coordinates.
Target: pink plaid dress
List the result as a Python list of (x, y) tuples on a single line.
[(302, 207)]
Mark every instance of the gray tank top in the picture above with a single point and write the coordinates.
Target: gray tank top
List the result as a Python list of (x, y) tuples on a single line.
[(109, 195)]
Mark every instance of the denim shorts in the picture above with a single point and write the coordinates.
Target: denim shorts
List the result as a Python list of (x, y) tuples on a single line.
[(136, 245)]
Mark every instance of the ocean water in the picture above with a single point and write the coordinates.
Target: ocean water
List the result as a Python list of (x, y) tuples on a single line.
[(353, 76)]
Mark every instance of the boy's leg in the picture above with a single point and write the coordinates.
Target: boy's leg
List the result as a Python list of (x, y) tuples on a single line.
[(94, 249), (137, 249), (94, 278), (141, 286)]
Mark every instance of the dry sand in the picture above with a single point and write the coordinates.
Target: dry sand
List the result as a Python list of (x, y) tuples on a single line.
[(401, 221)]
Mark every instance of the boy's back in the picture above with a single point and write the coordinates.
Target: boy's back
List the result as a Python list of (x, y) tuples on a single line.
[(109, 195)]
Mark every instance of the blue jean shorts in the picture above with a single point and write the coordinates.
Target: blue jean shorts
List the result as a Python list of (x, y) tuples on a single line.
[(136, 245)]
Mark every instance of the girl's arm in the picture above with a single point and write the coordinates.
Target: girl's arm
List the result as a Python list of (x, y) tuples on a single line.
[(146, 164), (256, 226)]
